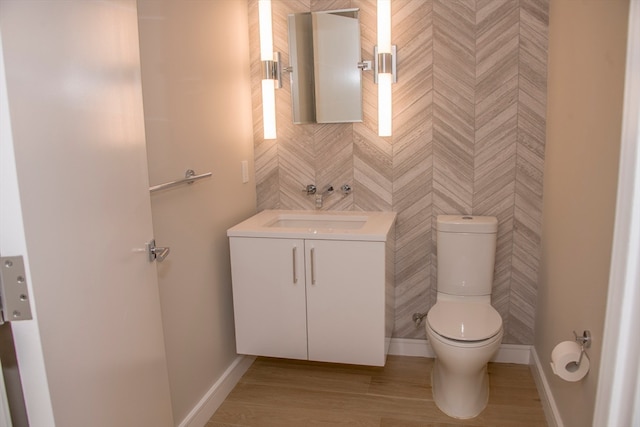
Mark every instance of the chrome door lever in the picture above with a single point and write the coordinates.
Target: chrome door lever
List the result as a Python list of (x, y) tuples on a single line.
[(157, 253)]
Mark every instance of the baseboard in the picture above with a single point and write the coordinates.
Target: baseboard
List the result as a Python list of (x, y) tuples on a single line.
[(513, 353), (507, 353), (410, 347), (211, 401), (551, 411)]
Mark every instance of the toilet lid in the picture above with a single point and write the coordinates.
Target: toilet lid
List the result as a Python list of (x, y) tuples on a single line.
[(464, 321)]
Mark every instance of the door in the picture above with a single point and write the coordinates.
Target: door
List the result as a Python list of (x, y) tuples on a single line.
[(269, 296), (75, 112), (346, 301), (12, 409), (5, 412)]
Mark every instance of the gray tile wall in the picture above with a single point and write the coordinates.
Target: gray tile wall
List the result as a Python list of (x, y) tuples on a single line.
[(468, 137)]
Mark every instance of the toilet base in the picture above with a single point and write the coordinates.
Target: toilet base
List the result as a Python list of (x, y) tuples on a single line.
[(459, 379), (460, 396)]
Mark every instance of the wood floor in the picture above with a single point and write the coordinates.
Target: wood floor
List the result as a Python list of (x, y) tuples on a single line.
[(283, 393)]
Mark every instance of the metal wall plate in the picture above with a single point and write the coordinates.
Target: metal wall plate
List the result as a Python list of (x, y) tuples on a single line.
[(14, 294)]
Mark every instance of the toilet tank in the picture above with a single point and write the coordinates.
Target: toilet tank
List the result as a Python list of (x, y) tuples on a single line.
[(466, 249)]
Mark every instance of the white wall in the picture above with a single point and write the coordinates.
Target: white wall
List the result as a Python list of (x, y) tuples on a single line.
[(618, 396), (197, 105), (587, 42)]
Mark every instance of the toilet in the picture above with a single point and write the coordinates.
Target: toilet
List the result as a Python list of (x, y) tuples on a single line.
[(464, 330)]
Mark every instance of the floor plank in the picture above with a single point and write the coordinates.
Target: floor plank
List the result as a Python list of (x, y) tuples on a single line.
[(283, 393)]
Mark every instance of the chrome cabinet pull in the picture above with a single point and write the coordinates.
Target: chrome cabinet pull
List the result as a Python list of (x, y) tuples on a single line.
[(295, 272), (313, 266)]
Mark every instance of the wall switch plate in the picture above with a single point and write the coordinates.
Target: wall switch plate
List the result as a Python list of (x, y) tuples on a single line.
[(245, 171)]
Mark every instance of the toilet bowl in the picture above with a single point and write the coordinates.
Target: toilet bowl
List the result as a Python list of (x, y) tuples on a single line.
[(459, 378), (464, 330)]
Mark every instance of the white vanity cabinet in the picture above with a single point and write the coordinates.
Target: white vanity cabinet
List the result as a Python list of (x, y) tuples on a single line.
[(322, 299), (345, 301), (269, 304)]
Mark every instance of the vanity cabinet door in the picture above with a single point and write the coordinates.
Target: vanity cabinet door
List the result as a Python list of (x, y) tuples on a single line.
[(346, 301), (269, 296)]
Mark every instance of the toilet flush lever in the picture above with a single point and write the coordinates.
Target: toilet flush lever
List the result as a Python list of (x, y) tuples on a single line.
[(157, 253)]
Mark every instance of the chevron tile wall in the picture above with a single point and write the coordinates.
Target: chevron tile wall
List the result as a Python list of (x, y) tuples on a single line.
[(468, 138)]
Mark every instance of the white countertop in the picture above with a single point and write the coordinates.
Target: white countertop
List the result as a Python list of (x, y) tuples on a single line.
[(322, 225)]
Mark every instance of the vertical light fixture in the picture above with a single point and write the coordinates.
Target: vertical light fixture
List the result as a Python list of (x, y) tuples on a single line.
[(385, 67), (271, 78)]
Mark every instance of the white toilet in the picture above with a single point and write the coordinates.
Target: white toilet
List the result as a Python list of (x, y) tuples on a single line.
[(463, 328)]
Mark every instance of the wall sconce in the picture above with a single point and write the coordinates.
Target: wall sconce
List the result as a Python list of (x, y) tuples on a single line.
[(272, 76), (384, 73)]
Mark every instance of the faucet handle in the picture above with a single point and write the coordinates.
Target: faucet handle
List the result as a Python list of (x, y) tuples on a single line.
[(311, 189)]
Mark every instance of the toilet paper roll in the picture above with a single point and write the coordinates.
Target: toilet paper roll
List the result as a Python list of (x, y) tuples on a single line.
[(564, 359)]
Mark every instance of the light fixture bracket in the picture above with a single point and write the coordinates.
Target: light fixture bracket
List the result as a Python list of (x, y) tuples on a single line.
[(365, 66), (385, 62), (272, 70)]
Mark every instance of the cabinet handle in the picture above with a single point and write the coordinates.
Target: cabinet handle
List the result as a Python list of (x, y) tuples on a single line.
[(295, 272), (313, 266)]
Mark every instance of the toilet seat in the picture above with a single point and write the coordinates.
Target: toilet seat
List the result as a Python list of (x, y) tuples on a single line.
[(464, 321)]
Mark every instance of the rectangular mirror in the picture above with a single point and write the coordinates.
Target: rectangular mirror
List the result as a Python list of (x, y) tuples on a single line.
[(324, 53)]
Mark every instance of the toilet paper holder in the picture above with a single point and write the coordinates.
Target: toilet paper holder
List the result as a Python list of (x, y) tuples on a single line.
[(585, 342)]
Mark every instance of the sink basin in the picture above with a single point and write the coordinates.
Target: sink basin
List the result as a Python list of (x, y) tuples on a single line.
[(318, 221), (330, 225)]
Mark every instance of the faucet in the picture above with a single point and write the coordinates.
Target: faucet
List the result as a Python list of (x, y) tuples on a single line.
[(311, 189), (328, 191)]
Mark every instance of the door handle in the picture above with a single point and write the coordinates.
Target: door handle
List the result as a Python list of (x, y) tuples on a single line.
[(313, 266), (157, 253), (295, 272)]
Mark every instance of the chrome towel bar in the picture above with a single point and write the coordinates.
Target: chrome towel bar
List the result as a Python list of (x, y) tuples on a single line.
[(189, 178)]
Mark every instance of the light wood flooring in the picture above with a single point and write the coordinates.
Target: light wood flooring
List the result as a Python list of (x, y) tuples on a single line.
[(284, 393)]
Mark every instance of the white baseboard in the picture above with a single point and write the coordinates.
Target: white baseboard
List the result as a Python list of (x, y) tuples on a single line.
[(508, 353), (211, 401), (551, 411), (513, 353), (410, 347)]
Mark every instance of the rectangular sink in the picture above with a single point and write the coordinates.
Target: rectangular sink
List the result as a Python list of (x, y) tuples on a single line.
[(318, 222), (331, 225)]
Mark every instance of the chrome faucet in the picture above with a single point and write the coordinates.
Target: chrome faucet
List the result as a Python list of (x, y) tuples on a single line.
[(311, 189), (320, 196)]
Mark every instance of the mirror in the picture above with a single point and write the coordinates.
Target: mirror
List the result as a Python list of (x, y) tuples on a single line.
[(324, 53)]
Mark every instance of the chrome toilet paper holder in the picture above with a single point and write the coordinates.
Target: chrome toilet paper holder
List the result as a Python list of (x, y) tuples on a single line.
[(585, 342)]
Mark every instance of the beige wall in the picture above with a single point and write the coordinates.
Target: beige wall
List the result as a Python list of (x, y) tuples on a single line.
[(587, 41), (197, 105)]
